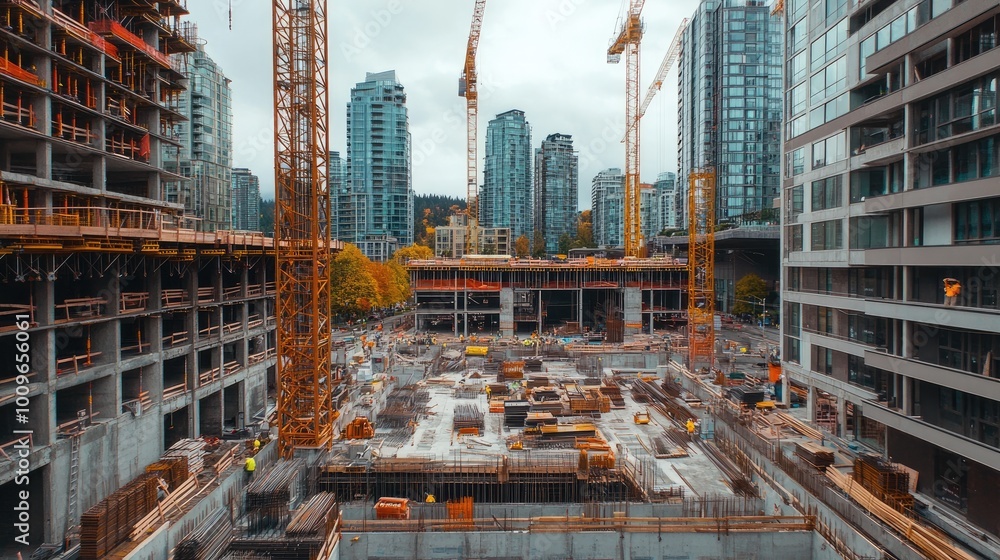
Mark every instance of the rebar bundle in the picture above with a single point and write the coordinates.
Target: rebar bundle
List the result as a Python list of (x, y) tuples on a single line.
[(173, 470), (209, 540), (270, 497), (315, 518), (469, 416)]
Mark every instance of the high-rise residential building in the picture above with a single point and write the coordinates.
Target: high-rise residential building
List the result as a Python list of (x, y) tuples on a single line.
[(506, 197), (730, 105), (246, 200), (205, 156), (607, 203), (556, 190), (649, 212), (667, 202), (892, 160), (342, 224), (378, 167)]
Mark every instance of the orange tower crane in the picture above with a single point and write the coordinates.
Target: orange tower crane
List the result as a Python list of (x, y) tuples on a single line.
[(701, 268), (467, 88), (302, 225), (627, 41)]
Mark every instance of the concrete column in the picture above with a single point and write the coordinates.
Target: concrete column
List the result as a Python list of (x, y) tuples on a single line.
[(841, 415), (540, 321), (811, 403), (506, 312), (632, 310), (906, 399)]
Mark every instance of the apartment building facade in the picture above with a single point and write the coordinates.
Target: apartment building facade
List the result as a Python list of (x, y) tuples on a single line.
[(890, 187), (557, 183), (507, 199)]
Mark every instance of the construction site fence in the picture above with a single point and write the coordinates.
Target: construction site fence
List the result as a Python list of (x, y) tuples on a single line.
[(736, 441)]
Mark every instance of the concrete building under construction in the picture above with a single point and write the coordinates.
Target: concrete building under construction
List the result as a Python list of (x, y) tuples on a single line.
[(139, 330), (484, 294)]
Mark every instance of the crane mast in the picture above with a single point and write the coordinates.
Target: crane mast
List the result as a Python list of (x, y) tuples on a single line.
[(627, 41), (467, 88), (302, 225), (701, 268)]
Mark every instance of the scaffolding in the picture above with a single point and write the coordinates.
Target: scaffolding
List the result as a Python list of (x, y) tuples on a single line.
[(701, 269)]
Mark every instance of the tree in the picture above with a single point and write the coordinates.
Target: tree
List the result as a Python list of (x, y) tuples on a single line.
[(353, 289), (584, 230), (401, 280), (522, 246), (565, 243), (413, 252), (538, 247), (267, 216), (749, 290)]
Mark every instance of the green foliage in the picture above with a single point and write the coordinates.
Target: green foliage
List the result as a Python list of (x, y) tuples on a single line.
[(430, 211), (749, 289), (538, 245), (565, 243), (267, 216)]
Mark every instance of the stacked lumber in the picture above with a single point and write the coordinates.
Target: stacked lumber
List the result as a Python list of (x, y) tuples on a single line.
[(612, 391), (191, 450), (173, 470), (108, 524), (538, 381), (931, 542), (885, 480), (174, 500), (209, 540), (819, 457), (799, 426)]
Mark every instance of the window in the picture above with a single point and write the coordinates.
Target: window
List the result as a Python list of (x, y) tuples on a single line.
[(830, 150), (797, 200), (829, 46), (793, 236), (826, 236), (828, 81), (826, 193), (824, 360), (869, 232), (977, 221), (795, 162), (966, 108)]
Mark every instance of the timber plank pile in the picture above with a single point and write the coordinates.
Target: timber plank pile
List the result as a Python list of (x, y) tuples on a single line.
[(885, 481), (931, 542), (819, 457), (190, 450)]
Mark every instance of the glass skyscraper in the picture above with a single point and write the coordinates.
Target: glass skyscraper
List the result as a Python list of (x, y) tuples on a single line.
[(378, 167), (246, 200), (667, 202), (730, 105), (506, 197), (207, 144), (556, 190), (607, 200)]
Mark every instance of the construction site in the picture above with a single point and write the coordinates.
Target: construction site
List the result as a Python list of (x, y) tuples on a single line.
[(190, 397)]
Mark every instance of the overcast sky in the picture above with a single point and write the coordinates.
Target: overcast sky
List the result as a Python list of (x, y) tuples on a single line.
[(544, 57)]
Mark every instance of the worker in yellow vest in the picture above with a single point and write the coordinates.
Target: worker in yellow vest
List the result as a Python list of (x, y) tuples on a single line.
[(249, 467), (690, 427), (256, 445)]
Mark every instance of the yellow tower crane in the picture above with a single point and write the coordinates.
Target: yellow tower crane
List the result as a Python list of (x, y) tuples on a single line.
[(627, 41), (467, 88), (302, 225)]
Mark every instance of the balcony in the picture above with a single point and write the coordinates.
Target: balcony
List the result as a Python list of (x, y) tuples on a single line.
[(960, 317), (916, 427)]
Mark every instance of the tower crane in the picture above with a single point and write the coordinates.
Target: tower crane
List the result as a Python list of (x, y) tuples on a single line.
[(627, 41), (302, 225), (669, 59), (467, 88)]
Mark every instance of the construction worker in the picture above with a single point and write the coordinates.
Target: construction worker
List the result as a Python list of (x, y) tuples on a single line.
[(952, 289), (249, 467), (488, 391), (430, 499), (256, 445), (690, 427)]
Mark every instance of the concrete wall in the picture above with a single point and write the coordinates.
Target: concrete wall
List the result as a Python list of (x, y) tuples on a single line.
[(592, 545)]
